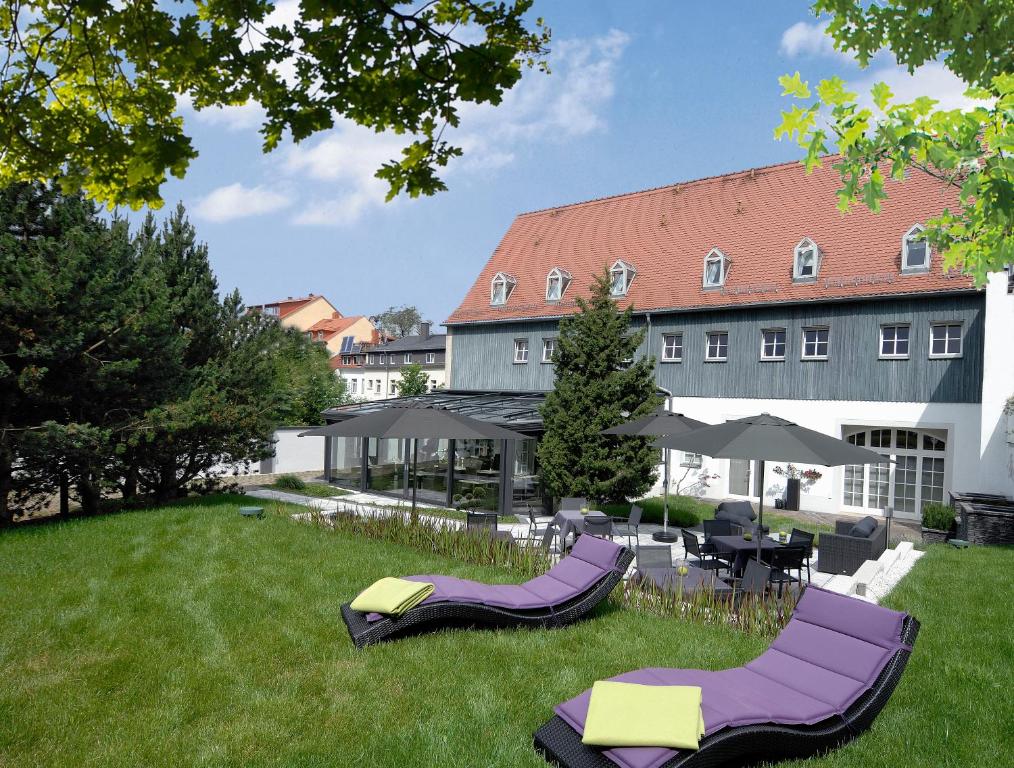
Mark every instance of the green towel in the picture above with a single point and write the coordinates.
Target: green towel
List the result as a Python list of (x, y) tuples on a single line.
[(392, 596), (632, 715)]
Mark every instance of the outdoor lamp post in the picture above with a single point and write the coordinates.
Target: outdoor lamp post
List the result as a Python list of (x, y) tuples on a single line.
[(888, 514)]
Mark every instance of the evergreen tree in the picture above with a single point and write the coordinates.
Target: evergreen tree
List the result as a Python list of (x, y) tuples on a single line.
[(414, 381), (596, 384)]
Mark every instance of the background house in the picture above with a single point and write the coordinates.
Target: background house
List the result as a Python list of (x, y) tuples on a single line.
[(378, 367), (756, 294)]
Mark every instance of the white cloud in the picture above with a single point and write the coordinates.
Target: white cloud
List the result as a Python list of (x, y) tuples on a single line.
[(933, 80), (236, 201), (806, 39), (249, 116), (565, 104)]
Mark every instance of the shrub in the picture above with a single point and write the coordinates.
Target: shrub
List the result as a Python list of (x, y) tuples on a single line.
[(290, 483), (939, 517), (684, 511)]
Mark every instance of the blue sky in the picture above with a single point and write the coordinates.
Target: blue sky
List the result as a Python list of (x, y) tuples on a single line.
[(642, 93)]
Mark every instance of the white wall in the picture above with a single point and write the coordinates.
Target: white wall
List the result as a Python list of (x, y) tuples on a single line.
[(961, 420), (294, 453), (436, 378), (996, 455)]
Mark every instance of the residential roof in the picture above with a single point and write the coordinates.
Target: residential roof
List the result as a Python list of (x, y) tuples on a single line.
[(333, 325), (435, 341), (516, 410), (290, 304), (755, 217)]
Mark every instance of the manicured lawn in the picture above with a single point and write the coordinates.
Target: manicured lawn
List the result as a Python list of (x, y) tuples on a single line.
[(316, 490), (192, 636)]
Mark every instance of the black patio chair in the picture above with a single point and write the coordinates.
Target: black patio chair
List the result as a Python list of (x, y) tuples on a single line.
[(598, 525), (804, 539), (535, 531), (693, 548), (719, 528), (756, 578), (654, 556), (784, 560), (480, 521), (628, 526)]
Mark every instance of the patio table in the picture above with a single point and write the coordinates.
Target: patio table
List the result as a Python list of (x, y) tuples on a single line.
[(695, 578), (742, 548), (572, 521)]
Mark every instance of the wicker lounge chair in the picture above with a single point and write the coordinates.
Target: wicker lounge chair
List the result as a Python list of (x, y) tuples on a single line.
[(821, 683), (565, 593)]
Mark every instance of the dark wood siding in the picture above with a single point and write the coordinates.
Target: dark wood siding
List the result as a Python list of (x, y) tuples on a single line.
[(483, 354)]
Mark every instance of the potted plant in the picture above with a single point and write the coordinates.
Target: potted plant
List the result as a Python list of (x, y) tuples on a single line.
[(937, 521), (793, 477)]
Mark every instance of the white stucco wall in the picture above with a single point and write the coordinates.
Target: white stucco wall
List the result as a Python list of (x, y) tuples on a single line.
[(996, 455), (436, 379), (961, 420), (294, 453)]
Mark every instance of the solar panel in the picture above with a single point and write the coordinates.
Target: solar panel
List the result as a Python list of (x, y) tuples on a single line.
[(347, 344)]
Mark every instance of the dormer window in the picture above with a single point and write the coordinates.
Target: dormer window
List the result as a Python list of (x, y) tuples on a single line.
[(501, 288), (556, 283), (915, 251), (716, 268), (806, 264), (621, 275)]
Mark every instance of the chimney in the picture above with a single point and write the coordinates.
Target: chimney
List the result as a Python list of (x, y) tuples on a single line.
[(336, 315), (424, 329)]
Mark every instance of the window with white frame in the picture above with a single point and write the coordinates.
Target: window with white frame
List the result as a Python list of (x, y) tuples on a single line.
[(773, 344), (716, 268), (806, 263), (672, 347), (408, 358), (894, 340), (717, 350), (548, 350), (392, 388), (621, 275), (691, 460), (271, 311), (369, 384), (431, 358), (815, 343), (556, 283), (520, 350), (945, 340), (378, 386), (352, 386), (501, 288), (915, 251)]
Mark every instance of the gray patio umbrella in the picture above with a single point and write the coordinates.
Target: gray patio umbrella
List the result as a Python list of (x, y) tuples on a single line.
[(659, 423), (415, 422), (769, 438)]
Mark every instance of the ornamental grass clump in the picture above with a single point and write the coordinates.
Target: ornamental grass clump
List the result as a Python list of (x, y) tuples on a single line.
[(439, 536), (290, 483), (763, 615)]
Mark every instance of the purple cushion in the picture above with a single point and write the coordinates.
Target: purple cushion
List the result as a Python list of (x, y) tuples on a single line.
[(589, 561), (831, 651)]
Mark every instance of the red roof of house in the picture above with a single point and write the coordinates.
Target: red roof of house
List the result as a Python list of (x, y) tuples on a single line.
[(755, 217), (333, 325), (289, 305)]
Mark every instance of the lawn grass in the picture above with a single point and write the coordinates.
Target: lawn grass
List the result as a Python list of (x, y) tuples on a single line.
[(191, 636), (315, 490)]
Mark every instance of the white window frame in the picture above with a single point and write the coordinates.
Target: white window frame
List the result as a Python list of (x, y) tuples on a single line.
[(785, 345), (666, 357), (392, 387), (431, 358), (802, 345), (557, 274), (408, 358), (894, 355), (352, 386), (723, 269), (906, 268), (501, 279), (806, 244), (369, 384), (627, 272), (691, 460), (961, 340), (520, 351), (707, 347), (546, 344)]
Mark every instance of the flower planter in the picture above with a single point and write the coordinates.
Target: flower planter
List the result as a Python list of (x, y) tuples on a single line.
[(934, 536), (792, 493)]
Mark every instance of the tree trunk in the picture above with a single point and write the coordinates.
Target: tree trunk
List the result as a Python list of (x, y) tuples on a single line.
[(89, 495), (130, 483), (64, 495), (6, 481)]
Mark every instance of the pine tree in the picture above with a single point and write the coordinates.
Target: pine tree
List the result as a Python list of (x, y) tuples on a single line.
[(596, 384)]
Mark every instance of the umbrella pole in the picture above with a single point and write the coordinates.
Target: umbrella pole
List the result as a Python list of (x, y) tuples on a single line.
[(760, 510), (415, 477), (664, 534)]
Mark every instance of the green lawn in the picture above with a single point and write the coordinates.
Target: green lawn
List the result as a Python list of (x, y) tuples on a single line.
[(190, 636)]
